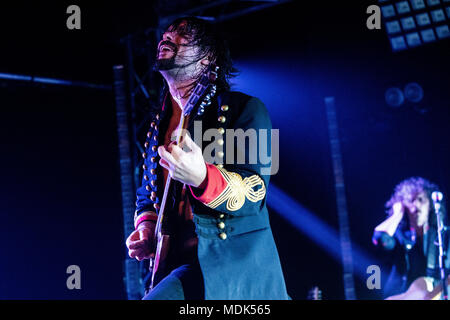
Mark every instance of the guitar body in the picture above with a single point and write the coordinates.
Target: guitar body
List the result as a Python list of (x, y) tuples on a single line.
[(420, 289)]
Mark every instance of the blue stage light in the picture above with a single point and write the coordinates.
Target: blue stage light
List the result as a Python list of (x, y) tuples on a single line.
[(428, 35), (393, 27), (421, 22), (318, 231), (423, 19), (443, 32), (394, 97)]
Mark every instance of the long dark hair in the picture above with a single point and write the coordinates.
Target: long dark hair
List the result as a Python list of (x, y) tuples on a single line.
[(212, 44)]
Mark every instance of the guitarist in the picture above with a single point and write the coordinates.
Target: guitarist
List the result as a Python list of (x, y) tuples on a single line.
[(409, 234), (221, 245)]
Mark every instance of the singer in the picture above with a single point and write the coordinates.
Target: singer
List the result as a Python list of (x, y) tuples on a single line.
[(408, 238), (221, 243)]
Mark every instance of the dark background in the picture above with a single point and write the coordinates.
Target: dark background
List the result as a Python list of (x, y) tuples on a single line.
[(60, 197)]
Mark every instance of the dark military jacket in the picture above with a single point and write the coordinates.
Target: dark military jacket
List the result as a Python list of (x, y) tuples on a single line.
[(236, 250)]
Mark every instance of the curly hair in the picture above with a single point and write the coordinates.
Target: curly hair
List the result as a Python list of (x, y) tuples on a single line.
[(212, 44), (408, 189)]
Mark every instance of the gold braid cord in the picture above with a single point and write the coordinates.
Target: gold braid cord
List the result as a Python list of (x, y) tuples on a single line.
[(238, 189)]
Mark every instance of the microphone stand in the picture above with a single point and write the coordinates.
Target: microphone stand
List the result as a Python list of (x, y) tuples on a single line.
[(437, 198)]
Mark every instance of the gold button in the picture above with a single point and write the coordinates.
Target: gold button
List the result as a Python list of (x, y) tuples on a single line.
[(149, 134), (157, 117), (156, 127), (222, 119), (155, 138), (224, 107), (156, 206), (144, 167), (153, 171), (222, 235), (153, 159), (221, 130), (146, 145), (220, 154), (146, 177), (153, 182), (220, 142), (152, 124), (144, 155), (147, 187), (221, 225), (154, 148), (221, 216)]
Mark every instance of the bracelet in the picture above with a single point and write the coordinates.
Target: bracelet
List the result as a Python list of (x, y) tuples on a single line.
[(144, 216)]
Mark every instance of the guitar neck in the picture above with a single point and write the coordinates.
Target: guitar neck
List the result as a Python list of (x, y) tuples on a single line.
[(158, 230)]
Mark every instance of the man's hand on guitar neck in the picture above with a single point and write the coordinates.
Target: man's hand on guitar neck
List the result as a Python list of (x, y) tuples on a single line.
[(186, 167), (140, 241)]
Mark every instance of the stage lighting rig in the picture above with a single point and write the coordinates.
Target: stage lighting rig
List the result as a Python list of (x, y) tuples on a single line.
[(412, 23)]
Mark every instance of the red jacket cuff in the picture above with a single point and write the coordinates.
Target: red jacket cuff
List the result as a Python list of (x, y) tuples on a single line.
[(215, 184)]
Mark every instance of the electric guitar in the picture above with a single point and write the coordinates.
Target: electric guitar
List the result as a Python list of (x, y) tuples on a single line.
[(205, 84), (421, 289)]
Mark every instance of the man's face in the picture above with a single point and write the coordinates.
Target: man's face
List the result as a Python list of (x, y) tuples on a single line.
[(175, 51), (419, 208)]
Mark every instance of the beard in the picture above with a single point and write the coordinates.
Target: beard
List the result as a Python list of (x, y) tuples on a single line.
[(165, 64)]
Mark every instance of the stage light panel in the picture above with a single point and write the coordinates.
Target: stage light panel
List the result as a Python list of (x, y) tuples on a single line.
[(393, 27), (398, 43), (388, 11), (402, 7), (423, 19), (433, 2), (410, 23), (418, 4), (443, 32), (413, 39), (428, 35), (438, 15)]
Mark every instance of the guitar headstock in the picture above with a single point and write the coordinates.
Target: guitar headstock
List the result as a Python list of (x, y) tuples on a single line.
[(206, 82)]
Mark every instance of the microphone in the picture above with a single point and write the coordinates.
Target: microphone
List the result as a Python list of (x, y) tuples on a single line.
[(437, 197)]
